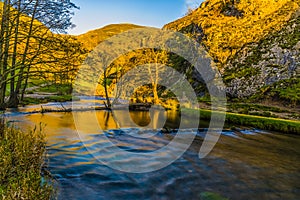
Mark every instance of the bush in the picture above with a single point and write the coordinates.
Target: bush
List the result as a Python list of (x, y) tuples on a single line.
[(21, 161)]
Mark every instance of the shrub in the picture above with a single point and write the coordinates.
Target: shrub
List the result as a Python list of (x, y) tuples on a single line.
[(21, 161)]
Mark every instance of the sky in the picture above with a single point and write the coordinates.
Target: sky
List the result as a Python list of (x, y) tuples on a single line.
[(94, 14)]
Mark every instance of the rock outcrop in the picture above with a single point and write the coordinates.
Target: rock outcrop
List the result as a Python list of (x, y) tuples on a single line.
[(254, 43), (272, 59)]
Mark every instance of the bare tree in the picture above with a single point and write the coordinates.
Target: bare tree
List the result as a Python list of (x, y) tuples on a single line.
[(28, 40)]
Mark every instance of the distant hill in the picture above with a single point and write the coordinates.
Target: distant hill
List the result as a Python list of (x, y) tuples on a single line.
[(92, 38)]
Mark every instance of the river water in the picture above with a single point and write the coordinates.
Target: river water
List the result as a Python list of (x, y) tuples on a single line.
[(245, 163)]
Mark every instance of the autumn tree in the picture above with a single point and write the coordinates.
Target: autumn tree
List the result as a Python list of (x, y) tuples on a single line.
[(153, 60), (28, 41)]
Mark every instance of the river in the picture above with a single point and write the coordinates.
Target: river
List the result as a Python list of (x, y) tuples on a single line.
[(245, 163)]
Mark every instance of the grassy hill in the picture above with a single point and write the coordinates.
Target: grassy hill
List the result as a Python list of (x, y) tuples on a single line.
[(225, 26), (92, 38), (255, 44), (242, 37), (31, 52)]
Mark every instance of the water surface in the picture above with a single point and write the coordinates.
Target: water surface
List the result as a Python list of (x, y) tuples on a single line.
[(245, 164)]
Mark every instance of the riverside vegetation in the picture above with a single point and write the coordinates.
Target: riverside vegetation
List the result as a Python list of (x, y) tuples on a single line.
[(21, 157), (255, 45), (31, 46)]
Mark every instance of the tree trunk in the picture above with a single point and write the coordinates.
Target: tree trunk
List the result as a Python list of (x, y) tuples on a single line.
[(13, 98), (108, 104), (24, 57), (5, 33), (155, 94)]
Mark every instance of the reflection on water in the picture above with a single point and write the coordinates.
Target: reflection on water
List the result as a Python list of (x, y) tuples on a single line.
[(244, 164)]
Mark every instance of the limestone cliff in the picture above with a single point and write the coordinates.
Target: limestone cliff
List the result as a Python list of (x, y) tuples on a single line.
[(255, 44)]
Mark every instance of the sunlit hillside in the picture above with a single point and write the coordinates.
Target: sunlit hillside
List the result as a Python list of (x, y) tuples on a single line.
[(255, 44), (225, 26), (38, 28), (33, 50), (92, 38)]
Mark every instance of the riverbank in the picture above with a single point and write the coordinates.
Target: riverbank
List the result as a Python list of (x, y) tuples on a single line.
[(239, 151), (257, 122), (259, 116), (22, 158)]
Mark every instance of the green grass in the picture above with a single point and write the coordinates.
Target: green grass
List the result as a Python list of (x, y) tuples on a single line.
[(205, 99), (60, 98), (243, 107), (21, 160), (63, 89), (264, 123), (285, 91), (54, 98), (35, 82), (257, 109), (30, 101), (211, 196)]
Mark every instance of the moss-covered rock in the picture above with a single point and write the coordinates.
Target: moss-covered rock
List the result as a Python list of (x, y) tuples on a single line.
[(272, 59), (255, 44)]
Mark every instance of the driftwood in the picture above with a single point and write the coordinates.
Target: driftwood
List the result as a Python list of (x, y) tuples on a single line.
[(49, 110), (135, 107), (63, 109)]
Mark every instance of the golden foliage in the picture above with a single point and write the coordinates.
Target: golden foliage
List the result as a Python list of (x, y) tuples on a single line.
[(92, 38)]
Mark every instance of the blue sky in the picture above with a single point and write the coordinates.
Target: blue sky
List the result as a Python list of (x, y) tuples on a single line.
[(95, 14)]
